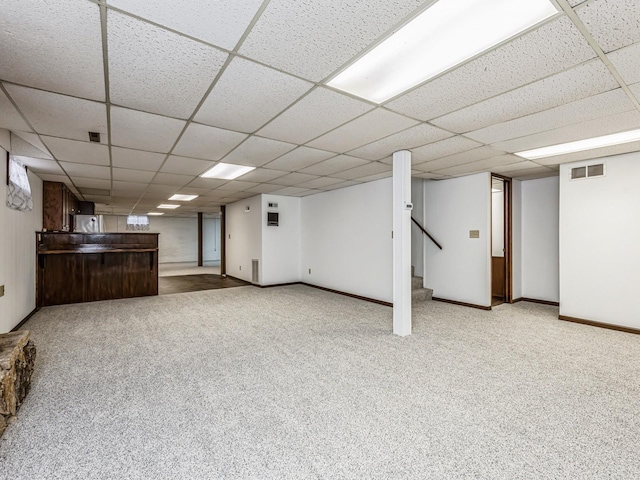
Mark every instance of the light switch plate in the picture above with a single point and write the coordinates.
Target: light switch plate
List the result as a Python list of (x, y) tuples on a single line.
[(474, 233)]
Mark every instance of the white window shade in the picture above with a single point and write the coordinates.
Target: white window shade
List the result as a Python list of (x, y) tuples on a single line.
[(137, 222), (18, 188)]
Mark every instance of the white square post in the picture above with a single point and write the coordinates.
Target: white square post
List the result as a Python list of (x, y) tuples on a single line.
[(402, 243)]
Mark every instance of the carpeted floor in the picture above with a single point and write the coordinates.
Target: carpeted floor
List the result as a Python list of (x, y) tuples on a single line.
[(295, 382)]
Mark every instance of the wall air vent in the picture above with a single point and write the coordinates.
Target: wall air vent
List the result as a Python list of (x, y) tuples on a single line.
[(94, 137), (589, 171), (255, 265)]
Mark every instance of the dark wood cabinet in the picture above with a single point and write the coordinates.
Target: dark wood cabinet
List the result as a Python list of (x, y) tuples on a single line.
[(87, 267), (59, 205)]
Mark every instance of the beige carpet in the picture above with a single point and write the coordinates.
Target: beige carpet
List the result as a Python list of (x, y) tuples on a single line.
[(294, 382)]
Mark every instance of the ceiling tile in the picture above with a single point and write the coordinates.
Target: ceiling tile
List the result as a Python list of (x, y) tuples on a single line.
[(293, 179), (10, 118), (299, 158), (583, 81), (21, 147), (144, 131), (260, 175), (573, 3), (365, 129), (257, 151), (39, 165), (320, 182), (290, 191), (78, 152), (635, 89), (87, 171), (34, 140), (209, 183), (480, 165), (512, 168), (265, 188), (215, 21), (553, 47), (428, 176), (136, 159), (186, 166), (85, 182), (248, 95), (210, 143), (593, 128), (330, 110), (468, 156), (372, 168), (627, 62), (411, 138), (128, 194), (190, 190), (59, 45), (128, 187), (316, 37), (608, 103), (613, 23), (60, 115), (172, 179), (147, 62), (443, 148), (540, 172), (334, 165), (128, 175), (378, 176), (236, 186)]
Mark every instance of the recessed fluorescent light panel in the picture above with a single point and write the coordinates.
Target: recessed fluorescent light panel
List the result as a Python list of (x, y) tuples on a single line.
[(155, 214), (227, 171), (443, 36), (183, 198), (581, 145), (167, 205)]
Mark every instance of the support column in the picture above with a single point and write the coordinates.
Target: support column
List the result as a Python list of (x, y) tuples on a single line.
[(223, 240), (402, 243), (200, 240)]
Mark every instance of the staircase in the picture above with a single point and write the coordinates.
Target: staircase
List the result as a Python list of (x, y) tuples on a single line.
[(418, 293)]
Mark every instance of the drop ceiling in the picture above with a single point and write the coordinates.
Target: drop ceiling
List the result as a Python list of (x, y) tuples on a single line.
[(175, 86)]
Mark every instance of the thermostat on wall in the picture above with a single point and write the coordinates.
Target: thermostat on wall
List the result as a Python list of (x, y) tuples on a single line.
[(273, 205)]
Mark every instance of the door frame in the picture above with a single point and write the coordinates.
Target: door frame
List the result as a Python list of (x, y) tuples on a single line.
[(508, 236)]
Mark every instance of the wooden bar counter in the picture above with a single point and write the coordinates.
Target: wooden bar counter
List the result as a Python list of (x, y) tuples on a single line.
[(87, 267)]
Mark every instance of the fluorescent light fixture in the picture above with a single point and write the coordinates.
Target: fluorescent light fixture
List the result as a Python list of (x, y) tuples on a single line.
[(581, 145), (227, 171), (183, 198), (443, 36), (166, 205), (155, 214)]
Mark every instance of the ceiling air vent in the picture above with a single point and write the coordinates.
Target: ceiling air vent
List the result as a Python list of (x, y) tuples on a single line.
[(95, 191), (94, 137), (589, 171)]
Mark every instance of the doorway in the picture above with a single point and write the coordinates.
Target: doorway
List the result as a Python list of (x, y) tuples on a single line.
[(500, 240)]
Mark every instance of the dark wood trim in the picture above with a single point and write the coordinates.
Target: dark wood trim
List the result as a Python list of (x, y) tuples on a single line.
[(508, 240), (535, 300), (200, 249), (223, 241), (463, 304), (516, 300), (24, 320), (352, 295), (600, 324), (279, 285)]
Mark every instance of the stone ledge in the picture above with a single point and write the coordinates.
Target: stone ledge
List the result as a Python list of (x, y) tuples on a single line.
[(17, 359)]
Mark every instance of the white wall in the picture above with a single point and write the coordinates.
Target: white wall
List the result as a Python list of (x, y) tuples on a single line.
[(281, 244), (211, 239), (178, 239), (17, 249), (516, 238), (244, 236), (417, 237), (497, 224), (599, 232), (540, 238), (346, 240), (462, 270)]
